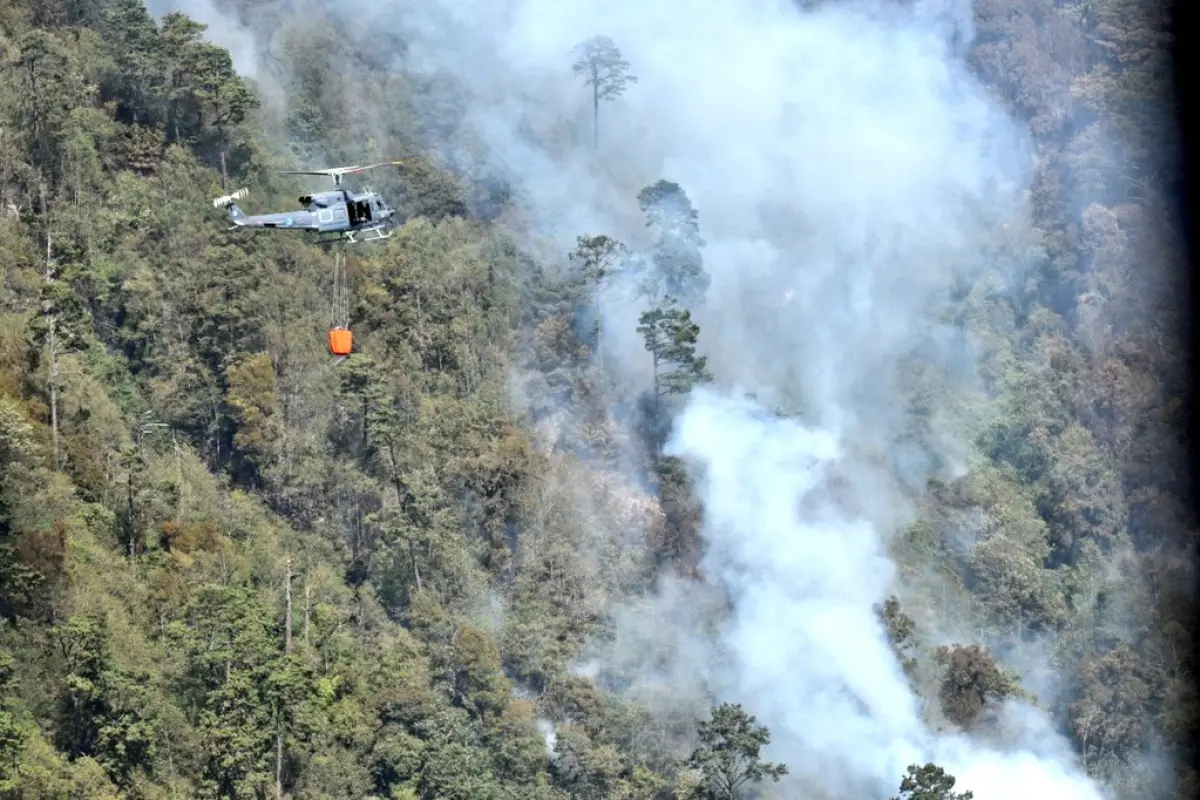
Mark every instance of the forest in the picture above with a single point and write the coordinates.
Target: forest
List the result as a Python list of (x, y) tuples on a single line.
[(444, 568)]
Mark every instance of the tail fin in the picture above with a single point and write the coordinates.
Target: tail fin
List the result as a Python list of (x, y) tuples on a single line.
[(229, 202)]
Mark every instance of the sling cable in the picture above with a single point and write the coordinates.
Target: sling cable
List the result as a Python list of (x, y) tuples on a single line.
[(341, 341)]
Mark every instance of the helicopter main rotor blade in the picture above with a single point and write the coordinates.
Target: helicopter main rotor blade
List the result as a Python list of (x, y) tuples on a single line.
[(336, 171), (375, 166)]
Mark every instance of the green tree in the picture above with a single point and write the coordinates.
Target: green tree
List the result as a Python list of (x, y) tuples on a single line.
[(232, 655), (670, 336), (222, 95), (676, 260), (479, 685), (138, 65), (12, 734), (105, 713), (1111, 715), (929, 782), (180, 34), (253, 397), (18, 450), (599, 260), (83, 645), (972, 678), (518, 749), (584, 767), (901, 633), (61, 327), (50, 88), (599, 60), (728, 753)]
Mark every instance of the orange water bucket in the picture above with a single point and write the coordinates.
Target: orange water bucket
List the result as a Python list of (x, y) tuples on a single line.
[(341, 341)]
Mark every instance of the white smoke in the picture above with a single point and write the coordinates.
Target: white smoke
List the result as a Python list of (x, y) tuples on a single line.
[(223, 30), (809, 657), (549, 736)]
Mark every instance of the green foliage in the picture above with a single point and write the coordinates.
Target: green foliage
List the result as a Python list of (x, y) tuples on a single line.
[(971, 680), (929, 782), (676, 263), (1111, 716), (18, 451), (106, 713), (599, 61), (253, 397), (599, 260), (670, 336), (901, 631), (727, 754), (12, 733)]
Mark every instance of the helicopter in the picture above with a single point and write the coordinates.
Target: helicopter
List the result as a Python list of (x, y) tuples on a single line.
[(334, 215)]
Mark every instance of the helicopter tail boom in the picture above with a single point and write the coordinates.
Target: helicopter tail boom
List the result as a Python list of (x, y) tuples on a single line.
[(229, 203)]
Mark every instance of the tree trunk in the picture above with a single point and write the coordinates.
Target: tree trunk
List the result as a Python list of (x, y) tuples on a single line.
[(658, 444), (178, 476), (220, 145), (132, 511), (599, 331), (412, 554), (400, 499), (52, 343), (279, 763), (657, 392), (287, 614), (307, 606), (52, 334), (596, 116)]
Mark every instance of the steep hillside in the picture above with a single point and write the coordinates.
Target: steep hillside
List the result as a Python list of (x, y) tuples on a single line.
[(527, 539)]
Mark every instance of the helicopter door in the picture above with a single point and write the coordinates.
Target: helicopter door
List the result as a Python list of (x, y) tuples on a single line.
[(360, 212)]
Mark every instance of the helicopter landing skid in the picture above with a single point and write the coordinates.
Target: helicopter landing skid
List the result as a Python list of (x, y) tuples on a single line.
[(379, 235)]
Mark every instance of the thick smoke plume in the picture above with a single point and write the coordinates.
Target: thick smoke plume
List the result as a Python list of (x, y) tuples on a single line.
[(808, 655), (846, 167)]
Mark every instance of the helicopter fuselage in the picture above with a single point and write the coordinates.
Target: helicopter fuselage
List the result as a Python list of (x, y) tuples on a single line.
[(334, 212)]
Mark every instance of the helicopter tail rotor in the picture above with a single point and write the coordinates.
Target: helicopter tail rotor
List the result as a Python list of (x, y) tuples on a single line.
[(229, 199)]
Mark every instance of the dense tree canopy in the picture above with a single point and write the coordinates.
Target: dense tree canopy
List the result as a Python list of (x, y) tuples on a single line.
[(228, 569)]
